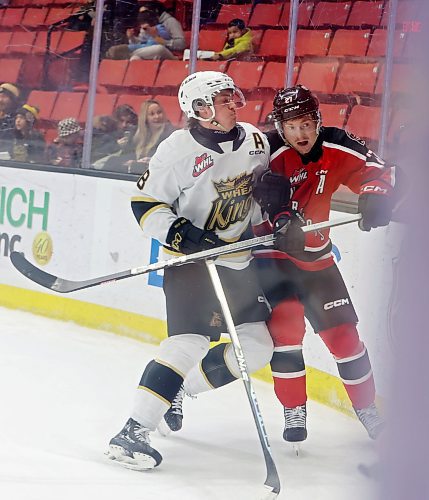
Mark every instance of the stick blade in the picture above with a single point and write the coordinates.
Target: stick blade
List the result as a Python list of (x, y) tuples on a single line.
[(37, 275), (266, 492), (270, 496), (272, 481)]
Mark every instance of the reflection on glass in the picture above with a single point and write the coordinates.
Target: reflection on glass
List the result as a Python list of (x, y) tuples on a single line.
[(339, 55)]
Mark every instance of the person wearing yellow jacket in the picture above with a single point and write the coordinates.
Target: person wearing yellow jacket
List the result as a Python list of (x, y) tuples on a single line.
[(238, 41)]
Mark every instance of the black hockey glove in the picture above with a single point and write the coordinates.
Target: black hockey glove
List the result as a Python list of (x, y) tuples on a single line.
[(376, 210), (272, 192), (186, 238), (290, 238)]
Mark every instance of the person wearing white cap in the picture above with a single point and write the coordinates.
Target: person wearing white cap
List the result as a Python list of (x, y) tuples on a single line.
[(67, 148)]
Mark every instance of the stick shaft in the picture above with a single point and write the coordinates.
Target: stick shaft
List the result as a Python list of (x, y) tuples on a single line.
[(272, 481), (240, 245), (62, 285)]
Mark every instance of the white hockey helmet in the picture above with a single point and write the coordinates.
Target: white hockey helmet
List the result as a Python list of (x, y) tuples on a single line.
[(199, 89)]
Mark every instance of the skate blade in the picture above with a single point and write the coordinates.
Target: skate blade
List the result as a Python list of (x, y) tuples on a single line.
[(163, 428), (138, 462)]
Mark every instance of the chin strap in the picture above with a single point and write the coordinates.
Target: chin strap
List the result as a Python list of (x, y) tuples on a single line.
[(217, 124)]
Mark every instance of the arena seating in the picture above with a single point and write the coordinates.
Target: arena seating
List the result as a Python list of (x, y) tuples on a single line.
[(330, 14), (312, 42), (140, 74), (364, 121), (339, 53), (305, 11), (266, 15), (349, 43), (319, 76), (246, 74), (274, 75), (334, 115), (357, 78), (364, 13)]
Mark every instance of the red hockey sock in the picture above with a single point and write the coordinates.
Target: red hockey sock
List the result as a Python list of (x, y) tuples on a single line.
[(287, 328), (290, 392), (353, 363)]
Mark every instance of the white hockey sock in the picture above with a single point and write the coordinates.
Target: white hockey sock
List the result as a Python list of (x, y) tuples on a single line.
[(196, 382), (148, 409), (176, 357), (257, 347)]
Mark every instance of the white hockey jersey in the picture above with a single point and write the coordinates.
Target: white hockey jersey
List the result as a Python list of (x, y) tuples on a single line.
[(206, 182)]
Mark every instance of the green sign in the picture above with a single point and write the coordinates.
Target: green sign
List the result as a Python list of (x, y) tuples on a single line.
[(19, 207)]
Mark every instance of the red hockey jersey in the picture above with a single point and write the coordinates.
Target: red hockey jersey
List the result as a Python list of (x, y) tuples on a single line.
[(338, 158)]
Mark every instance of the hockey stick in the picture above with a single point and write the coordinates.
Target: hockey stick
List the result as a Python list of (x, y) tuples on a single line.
[(62, 285), (272, 481)]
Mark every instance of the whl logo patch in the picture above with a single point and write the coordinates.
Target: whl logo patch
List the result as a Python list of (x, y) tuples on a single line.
[(202, 163), (298, 176)]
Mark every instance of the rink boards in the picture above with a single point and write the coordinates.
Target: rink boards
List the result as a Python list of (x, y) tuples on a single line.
[(79, 226)]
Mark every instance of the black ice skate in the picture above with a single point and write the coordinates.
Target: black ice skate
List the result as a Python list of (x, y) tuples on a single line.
[(371, 420), (295, 425), (173, 417), (131, 448)]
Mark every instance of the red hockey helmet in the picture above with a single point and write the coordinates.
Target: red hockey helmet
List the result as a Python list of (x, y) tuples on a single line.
[(294, 102)]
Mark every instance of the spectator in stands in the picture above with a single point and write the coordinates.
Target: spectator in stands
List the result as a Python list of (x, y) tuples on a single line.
[(176, 42), (125, 117), (67, 148), (238, 41), (104, 137), (126, 123), (153, 128), (9, 96), (151, 33), (127, 120), (25, 143)]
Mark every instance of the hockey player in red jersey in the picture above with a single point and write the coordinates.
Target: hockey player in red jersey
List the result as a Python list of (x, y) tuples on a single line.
[(300, 277)]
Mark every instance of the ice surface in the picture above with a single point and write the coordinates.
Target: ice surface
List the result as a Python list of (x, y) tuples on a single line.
[(66, 390)]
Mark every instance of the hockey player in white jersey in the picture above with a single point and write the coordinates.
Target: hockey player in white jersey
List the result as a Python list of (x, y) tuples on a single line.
[(196, 195)]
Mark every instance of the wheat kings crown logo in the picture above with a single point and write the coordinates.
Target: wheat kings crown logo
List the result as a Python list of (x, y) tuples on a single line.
[(233, 203)]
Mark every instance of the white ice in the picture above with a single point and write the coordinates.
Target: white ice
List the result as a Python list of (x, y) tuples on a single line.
[(66, 390)]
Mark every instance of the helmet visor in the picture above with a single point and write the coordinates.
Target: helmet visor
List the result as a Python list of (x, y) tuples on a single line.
[(229, 97)]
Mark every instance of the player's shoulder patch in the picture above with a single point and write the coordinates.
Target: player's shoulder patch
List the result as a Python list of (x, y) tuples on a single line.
[(355, 138), (142, 180), (344, 138)]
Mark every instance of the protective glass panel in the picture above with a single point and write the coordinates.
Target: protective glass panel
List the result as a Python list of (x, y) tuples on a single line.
[(46, 49)]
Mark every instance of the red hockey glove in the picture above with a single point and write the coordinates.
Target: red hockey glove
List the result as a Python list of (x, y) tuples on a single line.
[(272, 192), (376, 210), (186, 238), (290, 238)]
